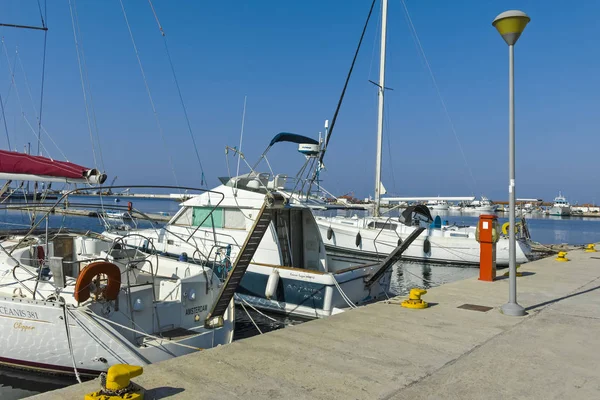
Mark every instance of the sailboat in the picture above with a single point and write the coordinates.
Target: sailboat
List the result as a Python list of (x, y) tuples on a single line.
[(75, 302), (374, 237), (78, 302)]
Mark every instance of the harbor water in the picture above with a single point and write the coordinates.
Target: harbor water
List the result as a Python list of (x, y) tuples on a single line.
[(547, 230)]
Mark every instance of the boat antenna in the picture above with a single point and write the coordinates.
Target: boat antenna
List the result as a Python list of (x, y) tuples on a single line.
[(339, 105), (241, 138)]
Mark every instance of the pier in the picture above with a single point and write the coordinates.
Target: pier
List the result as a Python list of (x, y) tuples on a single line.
[(459, 347), (78, 212)]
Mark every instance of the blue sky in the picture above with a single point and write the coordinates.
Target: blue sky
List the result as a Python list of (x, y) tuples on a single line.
[(290, 59)]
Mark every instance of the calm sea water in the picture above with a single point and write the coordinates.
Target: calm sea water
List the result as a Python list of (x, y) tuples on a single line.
[(548, 230)]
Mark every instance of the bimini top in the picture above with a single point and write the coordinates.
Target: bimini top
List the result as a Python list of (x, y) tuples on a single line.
[(293, 138)]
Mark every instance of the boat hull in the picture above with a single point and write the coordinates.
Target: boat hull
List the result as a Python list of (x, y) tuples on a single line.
[(37, 336), (432, 245), (311, 294)]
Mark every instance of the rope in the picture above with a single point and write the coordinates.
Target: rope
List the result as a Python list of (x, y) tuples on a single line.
[(238, 297), (187, 120), (344, 296), (249, 316), (160, 128), (66, 318), (437, 89), (91, 314)]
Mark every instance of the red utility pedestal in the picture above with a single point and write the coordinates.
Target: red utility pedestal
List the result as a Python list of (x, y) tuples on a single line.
[(488, 236)]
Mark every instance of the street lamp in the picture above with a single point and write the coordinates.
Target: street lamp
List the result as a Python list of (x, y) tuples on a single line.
[(510, 24)]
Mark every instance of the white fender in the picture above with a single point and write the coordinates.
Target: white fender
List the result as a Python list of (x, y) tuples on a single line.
[(271, 289)]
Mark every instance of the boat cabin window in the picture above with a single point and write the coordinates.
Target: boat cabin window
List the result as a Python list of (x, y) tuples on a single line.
[(185, 218), (207, 217), (234, 219), (220, 218), (383, 225)]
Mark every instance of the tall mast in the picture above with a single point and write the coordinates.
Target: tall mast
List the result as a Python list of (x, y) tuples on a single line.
[(380, 108)]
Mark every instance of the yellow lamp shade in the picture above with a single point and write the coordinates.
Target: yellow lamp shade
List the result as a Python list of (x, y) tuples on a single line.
[(510, 24)]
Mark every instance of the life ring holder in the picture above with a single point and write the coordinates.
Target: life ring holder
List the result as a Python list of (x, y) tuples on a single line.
[(82, 290), (506, 225)]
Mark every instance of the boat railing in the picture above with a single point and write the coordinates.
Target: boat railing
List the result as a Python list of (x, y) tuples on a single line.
[(385, 226), (42, 210)]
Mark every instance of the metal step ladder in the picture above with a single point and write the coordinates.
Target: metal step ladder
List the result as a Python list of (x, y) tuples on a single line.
[(272, 202), (393, 257), (284, 243)]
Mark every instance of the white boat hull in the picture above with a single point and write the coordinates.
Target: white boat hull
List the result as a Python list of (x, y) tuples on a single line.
[(456, 247)]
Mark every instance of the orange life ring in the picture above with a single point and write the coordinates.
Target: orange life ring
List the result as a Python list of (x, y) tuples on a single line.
[(110, 292)]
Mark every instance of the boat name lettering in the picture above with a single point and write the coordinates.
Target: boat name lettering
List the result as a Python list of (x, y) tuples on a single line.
[(304, 276), (22, 327), (15, 312), (195, 310), (306, 292)]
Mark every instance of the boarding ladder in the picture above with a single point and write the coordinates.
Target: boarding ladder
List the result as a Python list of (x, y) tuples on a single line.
[(272, 202), (393, 257)]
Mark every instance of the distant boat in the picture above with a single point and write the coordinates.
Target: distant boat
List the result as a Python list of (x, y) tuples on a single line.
[(438, 205), (483, 205), (561, 206)]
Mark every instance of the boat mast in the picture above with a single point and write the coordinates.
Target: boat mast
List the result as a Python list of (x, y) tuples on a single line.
[(380, 108)]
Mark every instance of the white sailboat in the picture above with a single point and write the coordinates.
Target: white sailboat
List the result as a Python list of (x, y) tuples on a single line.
[(376, 236), (77, 303)]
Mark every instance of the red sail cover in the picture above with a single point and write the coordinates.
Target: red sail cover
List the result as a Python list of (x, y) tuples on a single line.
[(20, 163)]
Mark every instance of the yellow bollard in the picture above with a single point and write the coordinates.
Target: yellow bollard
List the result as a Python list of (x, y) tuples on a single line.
[(590, 248), (414, 299), (117, 385), (519, 274), (562, 256)]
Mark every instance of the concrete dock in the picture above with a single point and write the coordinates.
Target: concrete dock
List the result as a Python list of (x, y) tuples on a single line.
[(384, 351)]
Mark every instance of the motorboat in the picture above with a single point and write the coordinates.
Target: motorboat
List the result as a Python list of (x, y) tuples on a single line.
[(561, 207), (291, 271)]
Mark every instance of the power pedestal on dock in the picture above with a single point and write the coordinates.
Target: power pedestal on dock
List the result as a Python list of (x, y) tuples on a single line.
[(487, 235)]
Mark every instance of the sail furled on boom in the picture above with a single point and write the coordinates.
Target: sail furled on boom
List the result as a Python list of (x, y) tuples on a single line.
[(21, 166)]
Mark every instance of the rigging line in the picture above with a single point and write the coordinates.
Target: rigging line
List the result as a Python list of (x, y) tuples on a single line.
[(437, 89), (42, 14), (14, 82), (4, 120), (18, 57), (89, 87), (241, 138), (5, 125), (339, 105), (137, 54), (187, 120), (387, 124), (375, 37), (42, 85), (85, 100)]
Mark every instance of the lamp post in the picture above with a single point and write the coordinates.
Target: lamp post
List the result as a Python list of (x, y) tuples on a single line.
[(510, 25)]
